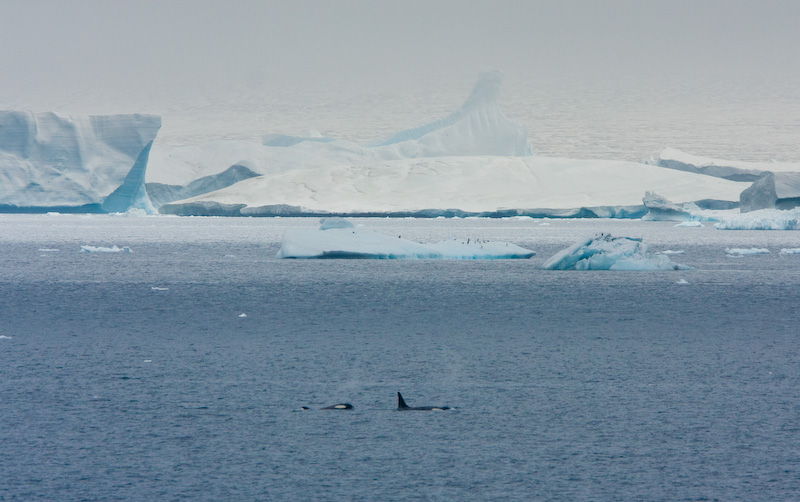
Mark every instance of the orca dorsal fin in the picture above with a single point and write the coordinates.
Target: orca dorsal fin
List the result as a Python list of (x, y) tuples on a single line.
[(401, 404)]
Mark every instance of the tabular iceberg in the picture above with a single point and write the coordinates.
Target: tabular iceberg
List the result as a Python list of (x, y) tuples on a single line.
[(52, 162), (339, 238), (729, 169), (605, 252), (475, 161)]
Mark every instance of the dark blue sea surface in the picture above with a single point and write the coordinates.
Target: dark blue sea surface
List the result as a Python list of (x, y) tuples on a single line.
[(134, 376)]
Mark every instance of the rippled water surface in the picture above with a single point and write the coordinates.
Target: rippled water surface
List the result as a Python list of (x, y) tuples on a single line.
[(135, 376)]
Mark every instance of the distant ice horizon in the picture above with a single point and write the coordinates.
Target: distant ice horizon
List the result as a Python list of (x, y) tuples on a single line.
[(625, 119), (614, 80)]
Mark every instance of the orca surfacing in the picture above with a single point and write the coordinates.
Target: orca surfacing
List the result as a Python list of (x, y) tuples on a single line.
[(402, 406), (340, 406)]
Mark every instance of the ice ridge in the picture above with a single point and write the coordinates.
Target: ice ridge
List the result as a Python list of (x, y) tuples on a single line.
[(491, 132)]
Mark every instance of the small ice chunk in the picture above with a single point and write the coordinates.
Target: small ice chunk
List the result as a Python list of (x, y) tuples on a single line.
[(693, 224), (101, 249), (670, 252), (147, 361), (157, 288), (604, 252), (745, 251), (334, 222), (242, 315), (48, 250), (4, 337), (682, 281), (790, 251)]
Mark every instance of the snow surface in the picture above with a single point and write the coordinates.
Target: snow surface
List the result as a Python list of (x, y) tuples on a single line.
[(338, 238), (764, 219), (95, 163), (470, 184), (604, 252)]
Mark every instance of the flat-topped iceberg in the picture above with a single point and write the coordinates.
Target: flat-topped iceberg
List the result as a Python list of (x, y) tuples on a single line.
[(77, 163), (473, 162), (604, 252), (729, 169), (339, 238)]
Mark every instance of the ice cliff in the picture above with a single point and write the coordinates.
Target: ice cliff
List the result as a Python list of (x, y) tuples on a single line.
[(52, 162), (772, 191)]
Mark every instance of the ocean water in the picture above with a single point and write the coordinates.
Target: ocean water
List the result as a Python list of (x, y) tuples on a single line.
[(134, 376)]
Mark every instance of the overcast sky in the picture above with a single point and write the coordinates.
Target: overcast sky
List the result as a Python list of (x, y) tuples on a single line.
[(292, 42)]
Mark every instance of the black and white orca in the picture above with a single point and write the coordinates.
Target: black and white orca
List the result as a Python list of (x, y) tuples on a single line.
[(402, 406), (340, 406)]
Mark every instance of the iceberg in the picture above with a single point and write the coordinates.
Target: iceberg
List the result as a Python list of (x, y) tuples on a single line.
[(161, 193), (604, 252), (728, 169), (661, 209), (103, 249), (74, 163), (339, 238), (772, 191), (745, 251), (477, 128), (764, 219), (492, 186), (474, 162)]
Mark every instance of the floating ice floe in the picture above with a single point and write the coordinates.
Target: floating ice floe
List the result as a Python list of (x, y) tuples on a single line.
[(157, 288), (790, 251), (339, 238), (242, 315), (670, 252), (4, 337), (682, 281), (604, 252), (101, 249), (693, 224), (48, 250), (745, 251), (764, 219)]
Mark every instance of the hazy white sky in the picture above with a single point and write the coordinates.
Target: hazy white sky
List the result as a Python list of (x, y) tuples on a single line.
[(78, 42)]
